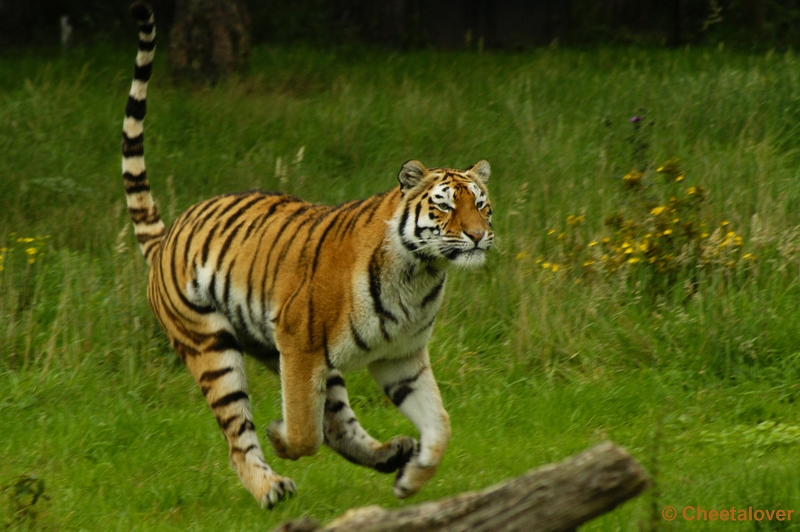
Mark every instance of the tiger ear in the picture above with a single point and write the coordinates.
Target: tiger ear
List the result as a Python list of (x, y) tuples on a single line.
[(410, 174), (481, 170)]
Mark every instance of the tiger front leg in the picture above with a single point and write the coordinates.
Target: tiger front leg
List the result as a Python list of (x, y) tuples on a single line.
[(409, 383), (344, 434), (303, 388)]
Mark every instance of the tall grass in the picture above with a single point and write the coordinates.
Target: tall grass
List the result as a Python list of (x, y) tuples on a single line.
[(533, 363)]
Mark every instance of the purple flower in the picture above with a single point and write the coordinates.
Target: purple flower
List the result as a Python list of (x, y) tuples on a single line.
[(635, 119)]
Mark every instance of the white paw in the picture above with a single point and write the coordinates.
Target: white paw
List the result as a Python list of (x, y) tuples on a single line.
[(411, 478)]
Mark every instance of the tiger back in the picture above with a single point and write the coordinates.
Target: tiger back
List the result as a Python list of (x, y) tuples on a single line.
[(311, 291)]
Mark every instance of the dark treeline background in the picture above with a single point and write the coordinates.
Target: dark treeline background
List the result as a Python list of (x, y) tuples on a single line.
[(509, 24)]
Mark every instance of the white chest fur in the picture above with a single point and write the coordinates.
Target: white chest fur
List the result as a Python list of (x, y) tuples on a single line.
[(393, 319)]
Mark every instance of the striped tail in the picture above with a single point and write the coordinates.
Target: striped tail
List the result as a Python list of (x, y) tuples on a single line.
[(147, 222)]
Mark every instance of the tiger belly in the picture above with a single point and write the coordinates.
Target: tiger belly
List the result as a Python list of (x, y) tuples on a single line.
[(250, 317), (368, 337)]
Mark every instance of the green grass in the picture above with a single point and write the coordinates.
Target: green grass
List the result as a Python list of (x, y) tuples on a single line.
[(533, 366)]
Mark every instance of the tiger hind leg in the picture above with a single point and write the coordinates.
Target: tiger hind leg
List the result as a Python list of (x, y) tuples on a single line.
[(345, 435), (217, 365)]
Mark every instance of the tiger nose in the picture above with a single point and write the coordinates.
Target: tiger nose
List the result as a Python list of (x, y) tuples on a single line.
[(475, 236)]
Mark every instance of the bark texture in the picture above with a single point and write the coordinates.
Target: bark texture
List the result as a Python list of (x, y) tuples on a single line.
[(209, 40), (555, 497)]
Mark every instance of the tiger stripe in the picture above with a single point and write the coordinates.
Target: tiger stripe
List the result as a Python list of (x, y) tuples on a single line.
[(311, 291), (148, 227)]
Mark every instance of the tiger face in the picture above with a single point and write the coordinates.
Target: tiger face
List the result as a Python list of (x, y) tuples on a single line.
[(446, 214)]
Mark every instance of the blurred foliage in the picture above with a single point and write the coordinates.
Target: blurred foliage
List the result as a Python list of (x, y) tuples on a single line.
[(758, 440), (761, 23), (449, 23), (23, 494), (37, 22)]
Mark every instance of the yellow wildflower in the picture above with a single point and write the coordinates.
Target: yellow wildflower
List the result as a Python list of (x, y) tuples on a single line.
[(691, 191), (26, 240), (670, 167), (749, 256), (593, 243), (679, 178), (632, 179), (31, 251), (574, 220), (658, 210), (667, 231), (633, 260)]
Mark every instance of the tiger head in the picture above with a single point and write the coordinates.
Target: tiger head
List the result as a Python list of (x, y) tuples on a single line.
[(445, 214)]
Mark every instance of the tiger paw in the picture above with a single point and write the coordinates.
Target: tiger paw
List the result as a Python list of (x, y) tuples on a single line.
[(278, 489), (412, 477), (267, 487), (395, 454), (275, 433), (306, 445)]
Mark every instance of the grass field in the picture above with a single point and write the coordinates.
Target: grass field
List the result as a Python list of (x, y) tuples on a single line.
[(691, 361)]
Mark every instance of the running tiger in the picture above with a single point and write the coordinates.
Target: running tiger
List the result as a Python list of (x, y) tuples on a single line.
[(311, 291)]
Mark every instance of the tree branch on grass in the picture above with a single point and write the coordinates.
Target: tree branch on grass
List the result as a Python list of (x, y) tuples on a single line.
[(554, 497)]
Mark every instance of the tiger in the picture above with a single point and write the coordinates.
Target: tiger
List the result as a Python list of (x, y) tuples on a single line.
[(311, 291)]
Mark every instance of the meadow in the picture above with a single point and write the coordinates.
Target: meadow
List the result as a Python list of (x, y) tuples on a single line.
[(630, 295)]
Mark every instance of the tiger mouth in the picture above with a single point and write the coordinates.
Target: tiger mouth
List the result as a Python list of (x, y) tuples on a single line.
[(456, 253)]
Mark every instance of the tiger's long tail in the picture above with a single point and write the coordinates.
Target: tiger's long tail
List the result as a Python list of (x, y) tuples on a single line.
[(144, 214)]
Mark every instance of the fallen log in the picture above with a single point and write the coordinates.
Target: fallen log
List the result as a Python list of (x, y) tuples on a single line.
[(554, 497)]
